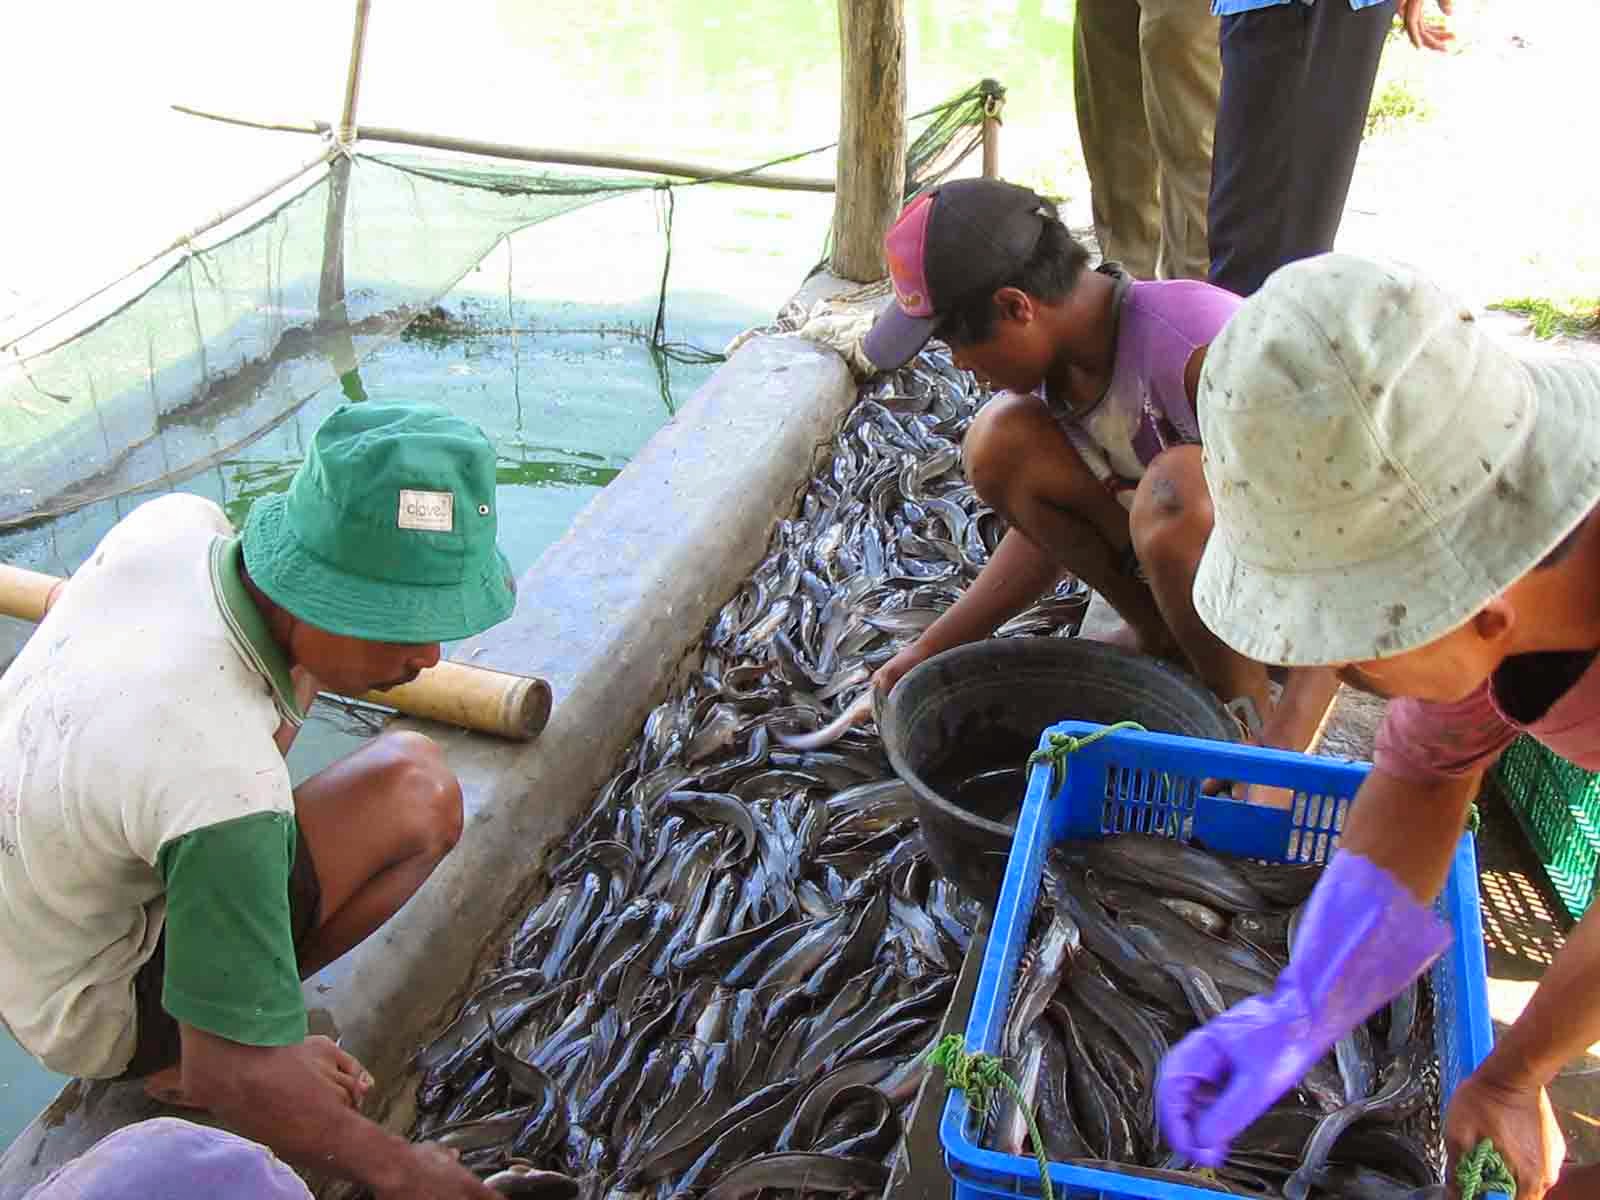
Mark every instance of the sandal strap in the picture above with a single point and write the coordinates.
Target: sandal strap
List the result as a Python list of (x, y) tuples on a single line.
[(1243, 710)]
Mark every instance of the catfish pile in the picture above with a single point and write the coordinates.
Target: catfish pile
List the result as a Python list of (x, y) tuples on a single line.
[(744, 954), (1138, 939)]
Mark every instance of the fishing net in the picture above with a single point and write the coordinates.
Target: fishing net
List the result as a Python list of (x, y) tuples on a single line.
[(182, 364)]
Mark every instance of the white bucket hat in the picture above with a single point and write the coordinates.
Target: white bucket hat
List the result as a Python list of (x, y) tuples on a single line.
[(1380, 468)]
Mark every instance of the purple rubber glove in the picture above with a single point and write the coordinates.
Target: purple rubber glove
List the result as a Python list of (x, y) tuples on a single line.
[(1362, 938)]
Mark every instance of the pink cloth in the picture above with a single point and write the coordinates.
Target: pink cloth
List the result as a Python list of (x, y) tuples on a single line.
[(1146, 408), (1424, 742)]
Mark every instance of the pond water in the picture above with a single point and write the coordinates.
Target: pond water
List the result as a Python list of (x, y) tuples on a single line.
[(568, 406), (565, 410)]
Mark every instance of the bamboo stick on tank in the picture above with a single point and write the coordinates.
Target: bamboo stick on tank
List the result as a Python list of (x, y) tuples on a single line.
[(476, 698), (26, 594)]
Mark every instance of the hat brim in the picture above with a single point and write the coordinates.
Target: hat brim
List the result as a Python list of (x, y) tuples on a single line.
[(374, 610), (1423, 590), (895, 338)]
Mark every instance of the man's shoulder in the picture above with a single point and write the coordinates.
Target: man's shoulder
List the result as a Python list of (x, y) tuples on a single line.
[(1176, 312), (1182, 298), (145, 555), (174, 517)]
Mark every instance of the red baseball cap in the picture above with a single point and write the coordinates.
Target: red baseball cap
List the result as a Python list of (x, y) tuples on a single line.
[(953, 240)]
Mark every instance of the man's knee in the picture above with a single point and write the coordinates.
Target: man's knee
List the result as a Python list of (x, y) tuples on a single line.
[(1013, 440), (1172, 509), (994, 444), (423, 793)]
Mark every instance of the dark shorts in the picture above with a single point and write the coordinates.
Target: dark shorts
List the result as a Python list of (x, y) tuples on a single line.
[(158, 1042)]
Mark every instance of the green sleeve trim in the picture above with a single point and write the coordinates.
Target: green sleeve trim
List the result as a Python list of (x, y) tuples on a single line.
[(231, 966)]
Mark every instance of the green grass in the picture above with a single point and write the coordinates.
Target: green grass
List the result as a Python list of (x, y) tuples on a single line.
[(1578, 317), (1394, 103)]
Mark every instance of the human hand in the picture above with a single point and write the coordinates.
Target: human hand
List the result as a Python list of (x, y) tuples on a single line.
[(1266, 796), (434, 1172), (1218, 1079), (1426, 35), (886, 676), (1518, 1120)]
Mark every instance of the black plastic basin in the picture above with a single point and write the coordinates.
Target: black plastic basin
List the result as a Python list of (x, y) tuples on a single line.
[(978, 710)]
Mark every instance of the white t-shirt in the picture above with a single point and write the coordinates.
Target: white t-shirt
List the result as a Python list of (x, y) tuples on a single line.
[(138, 712)]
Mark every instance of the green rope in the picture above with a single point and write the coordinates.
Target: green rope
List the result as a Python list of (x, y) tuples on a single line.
[(1064, 744), (979, 1075), (1484, 1171)]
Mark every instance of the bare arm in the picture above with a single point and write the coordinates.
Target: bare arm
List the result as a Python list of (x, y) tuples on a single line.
[(1295, 719), (1016, 575), (1505, 1098), (1191, 375), (1410, 829), (1562, 1019), (295, 1101)]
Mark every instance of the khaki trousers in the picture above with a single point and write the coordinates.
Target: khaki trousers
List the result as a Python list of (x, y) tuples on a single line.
[(1147, 74)]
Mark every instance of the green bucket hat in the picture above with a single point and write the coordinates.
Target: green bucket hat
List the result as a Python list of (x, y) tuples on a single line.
[(387, 530)]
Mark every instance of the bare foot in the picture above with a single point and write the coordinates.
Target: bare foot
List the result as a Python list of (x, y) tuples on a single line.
[(1267, 797), (166, 1087)]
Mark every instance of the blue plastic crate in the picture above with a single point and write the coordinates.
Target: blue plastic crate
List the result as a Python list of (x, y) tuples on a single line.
[(1131, 782)]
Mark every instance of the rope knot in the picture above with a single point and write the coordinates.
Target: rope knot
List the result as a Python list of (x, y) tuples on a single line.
[(980, 1075), (1064, 745), (1482, 1171)]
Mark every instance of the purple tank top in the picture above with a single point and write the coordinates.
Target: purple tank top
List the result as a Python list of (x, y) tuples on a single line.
[(1146, 408)]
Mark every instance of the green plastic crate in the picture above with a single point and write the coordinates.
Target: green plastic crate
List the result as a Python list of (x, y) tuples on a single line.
[(1558, 806)]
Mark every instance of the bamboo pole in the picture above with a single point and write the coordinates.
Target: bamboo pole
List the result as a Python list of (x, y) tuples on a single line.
[(577, 158), (991, 140), (537, 154), (317, 127), (26, 594), (352, 81), (872, 134), (509, 706), (330, 288), (514, 706)]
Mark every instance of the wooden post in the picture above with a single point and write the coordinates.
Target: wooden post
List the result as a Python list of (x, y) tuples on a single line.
[(994, 104), (872, 134), (330, 290)]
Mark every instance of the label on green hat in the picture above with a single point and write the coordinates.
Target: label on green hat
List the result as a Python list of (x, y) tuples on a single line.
[(427, 510)]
